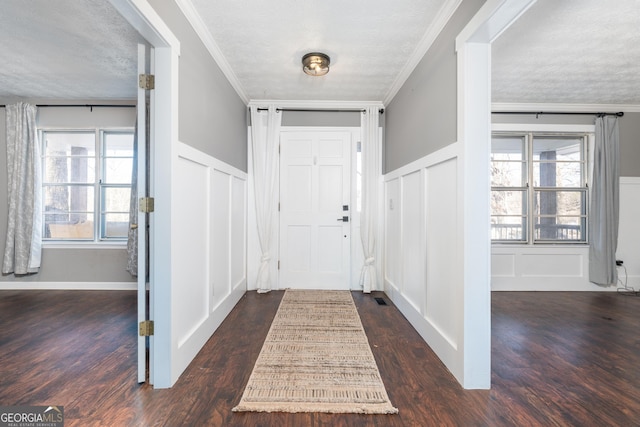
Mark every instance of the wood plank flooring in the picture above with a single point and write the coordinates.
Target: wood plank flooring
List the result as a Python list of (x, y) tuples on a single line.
[(558, 359)]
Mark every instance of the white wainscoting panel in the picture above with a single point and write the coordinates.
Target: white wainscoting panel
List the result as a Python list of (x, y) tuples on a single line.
[(238, 243), (566, 267), (441, 186), (221, 228), (209, 271), (629, 231), (413, 257), (392, 251), (192, 301), (422, 250)]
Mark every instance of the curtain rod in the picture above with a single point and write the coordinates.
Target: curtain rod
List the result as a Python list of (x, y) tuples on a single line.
[(307, 110), (537, 113), (82, 105)]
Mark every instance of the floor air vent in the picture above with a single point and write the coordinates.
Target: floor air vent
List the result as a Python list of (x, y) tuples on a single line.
[(380, 301)]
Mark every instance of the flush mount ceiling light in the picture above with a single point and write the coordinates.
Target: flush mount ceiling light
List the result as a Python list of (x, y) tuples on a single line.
[(315, 64)]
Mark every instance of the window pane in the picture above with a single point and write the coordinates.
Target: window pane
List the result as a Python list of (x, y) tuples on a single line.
[(511, 228), (69, 157), (561, 228), (560, 203), (116, 199), (554, 148), (80, 170), (72, 226), (115, 225), (118, 170), (69, 144), (557, 174), (118, 144), (508, 202), (68, 198), (508, 166), (508, 174), (507, 148)]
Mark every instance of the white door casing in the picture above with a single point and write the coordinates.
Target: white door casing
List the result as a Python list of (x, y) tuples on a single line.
[(142, 218), (315, 209)]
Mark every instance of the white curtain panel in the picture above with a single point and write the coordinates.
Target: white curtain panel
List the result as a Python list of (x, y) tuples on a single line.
[(24, 226), (371, 172), (265, 133), (605, 203)]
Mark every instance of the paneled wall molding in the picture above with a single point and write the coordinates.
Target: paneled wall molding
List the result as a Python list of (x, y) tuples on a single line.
[(444, 154), (210, 204), (566, 267), (422, 249)]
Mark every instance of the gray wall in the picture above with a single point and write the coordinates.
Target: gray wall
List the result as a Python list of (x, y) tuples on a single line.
[(212, 117), (629, 125), (338, 119), (421, 118), (77, 264)]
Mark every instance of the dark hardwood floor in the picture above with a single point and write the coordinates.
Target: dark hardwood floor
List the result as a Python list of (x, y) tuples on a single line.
[(558, 359)]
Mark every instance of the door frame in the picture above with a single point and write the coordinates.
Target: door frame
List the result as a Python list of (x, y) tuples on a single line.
[(253, 246), (356, 257), (164, 137), (471, 364)]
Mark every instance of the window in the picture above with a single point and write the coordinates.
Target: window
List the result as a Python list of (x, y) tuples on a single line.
[(539, 188), (86, 184)]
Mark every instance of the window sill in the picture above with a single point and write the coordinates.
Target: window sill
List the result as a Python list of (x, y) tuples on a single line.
[(540, 245), (84, 245)]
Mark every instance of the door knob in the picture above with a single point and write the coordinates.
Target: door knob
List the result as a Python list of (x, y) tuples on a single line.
[(344, 218)]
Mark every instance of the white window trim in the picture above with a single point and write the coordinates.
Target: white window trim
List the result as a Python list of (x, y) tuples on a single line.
[(96, 243), (551, 128)]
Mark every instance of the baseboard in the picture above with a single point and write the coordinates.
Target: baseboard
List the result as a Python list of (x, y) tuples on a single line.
[(77, 286)]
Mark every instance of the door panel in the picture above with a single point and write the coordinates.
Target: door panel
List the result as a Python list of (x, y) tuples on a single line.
[(142, 168), (314, 186)]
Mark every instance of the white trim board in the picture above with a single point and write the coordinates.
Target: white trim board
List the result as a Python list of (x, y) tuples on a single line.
[(578, 108), (541, 127), (76, 286), (317, 105)]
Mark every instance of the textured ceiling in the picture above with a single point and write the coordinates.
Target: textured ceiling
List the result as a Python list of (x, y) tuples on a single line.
[(570, 51), (66, 49), (369, 42)]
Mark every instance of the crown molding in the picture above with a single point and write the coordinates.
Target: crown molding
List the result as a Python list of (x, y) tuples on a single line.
[(561, 108), (201, 30), (315, 105), (443, 16)]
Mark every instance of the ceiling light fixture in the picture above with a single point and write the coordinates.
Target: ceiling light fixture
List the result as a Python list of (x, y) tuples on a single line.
[(315, 64)]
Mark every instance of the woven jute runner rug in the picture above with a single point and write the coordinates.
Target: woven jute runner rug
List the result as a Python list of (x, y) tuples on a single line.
[(316, 358)]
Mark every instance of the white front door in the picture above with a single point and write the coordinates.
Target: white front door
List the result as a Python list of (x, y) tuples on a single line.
[(315, 209)]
